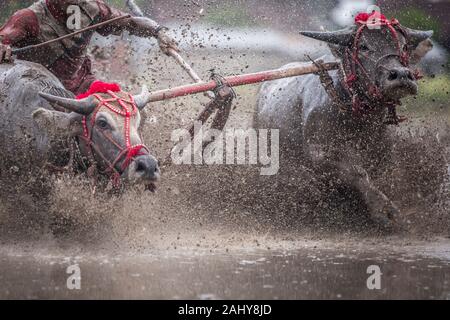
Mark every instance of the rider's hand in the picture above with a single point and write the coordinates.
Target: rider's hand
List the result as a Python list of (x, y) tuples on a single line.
[(166, 42), (5, 53)]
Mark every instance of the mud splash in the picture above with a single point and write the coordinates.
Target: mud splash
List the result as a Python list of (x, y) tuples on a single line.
[(227, 232)]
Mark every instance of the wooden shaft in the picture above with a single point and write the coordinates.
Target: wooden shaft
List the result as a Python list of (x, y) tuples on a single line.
[(185, 65), (240, 80)]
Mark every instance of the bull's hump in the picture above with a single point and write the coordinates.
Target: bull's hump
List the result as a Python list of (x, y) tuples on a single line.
[(281, 96), (24, 70)]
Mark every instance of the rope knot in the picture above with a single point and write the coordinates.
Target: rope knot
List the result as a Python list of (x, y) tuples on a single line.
[(351, 78), (132, 153)]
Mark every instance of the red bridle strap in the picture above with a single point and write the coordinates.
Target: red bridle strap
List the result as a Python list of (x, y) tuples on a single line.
[(125, 108), (352, 60), (391, 25)]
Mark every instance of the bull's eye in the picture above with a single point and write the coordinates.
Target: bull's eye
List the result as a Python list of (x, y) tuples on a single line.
[(364, 48), (405, 48), (102, 124)]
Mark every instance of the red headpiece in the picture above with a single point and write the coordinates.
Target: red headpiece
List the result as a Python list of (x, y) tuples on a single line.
[(99, 87), (126, 108)]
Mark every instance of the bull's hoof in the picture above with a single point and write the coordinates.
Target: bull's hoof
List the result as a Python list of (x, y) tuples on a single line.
[(385, 216), (391, 211)]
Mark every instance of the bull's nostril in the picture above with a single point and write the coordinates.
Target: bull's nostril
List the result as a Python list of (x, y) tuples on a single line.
[(141, 167), (392, 75), (146, 167), (410, 75)]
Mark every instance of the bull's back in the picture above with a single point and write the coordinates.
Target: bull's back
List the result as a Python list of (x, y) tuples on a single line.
[(20, 84), (286, 104)]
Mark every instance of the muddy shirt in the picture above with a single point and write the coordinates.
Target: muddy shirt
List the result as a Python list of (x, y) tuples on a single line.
[(67, 59)]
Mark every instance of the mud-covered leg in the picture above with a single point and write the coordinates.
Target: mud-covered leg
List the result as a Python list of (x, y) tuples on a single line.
[(382, 209), (343, 167)]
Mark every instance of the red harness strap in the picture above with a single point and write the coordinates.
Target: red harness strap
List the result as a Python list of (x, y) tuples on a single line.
[(127, 110), (352, 62)]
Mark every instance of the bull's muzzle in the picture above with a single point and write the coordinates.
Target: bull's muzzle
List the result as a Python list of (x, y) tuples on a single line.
[(398, 83), (144, 169)]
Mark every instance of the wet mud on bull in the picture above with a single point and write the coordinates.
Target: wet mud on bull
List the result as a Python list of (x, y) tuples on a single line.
[(225, 231), (32, 128), (265, 206), (35, 139), (346, 140)]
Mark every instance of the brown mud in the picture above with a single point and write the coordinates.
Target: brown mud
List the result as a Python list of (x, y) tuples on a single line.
[(231, 232)]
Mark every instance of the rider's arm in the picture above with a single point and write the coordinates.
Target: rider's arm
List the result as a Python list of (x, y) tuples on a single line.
[(137, 26)]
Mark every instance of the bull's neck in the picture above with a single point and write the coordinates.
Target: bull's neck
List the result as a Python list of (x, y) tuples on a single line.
[(359, 103)]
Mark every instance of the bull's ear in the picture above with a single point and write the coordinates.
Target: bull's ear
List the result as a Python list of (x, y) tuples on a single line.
[(58, 124), (421, 51), (417, 36)]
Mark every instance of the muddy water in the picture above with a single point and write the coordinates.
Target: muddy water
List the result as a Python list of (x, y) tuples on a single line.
[(167, 246), (302, 270)]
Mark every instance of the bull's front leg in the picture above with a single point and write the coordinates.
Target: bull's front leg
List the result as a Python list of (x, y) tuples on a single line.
[(342, 167), (382, 209)]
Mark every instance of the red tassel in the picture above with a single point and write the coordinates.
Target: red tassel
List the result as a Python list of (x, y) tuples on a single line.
[(364, 17), (99, 87)]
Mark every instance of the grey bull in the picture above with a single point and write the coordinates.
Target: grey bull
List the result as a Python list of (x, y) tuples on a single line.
[(33, 134), (351, 145)]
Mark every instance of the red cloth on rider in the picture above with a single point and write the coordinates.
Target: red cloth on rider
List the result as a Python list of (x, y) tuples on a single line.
[(21, 25), (74, 68), (99, 87)]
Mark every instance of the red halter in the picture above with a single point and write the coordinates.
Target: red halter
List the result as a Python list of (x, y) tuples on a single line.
[(353, 62), (127, 110)]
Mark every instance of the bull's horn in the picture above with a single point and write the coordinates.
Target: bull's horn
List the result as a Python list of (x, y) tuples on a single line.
[(417, 36), (83, 106), (341, 37), (143, 98)]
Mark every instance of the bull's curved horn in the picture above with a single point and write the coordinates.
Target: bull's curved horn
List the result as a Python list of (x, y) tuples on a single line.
[(340, 37), (417, 36), (143, 98), (83, 106)]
